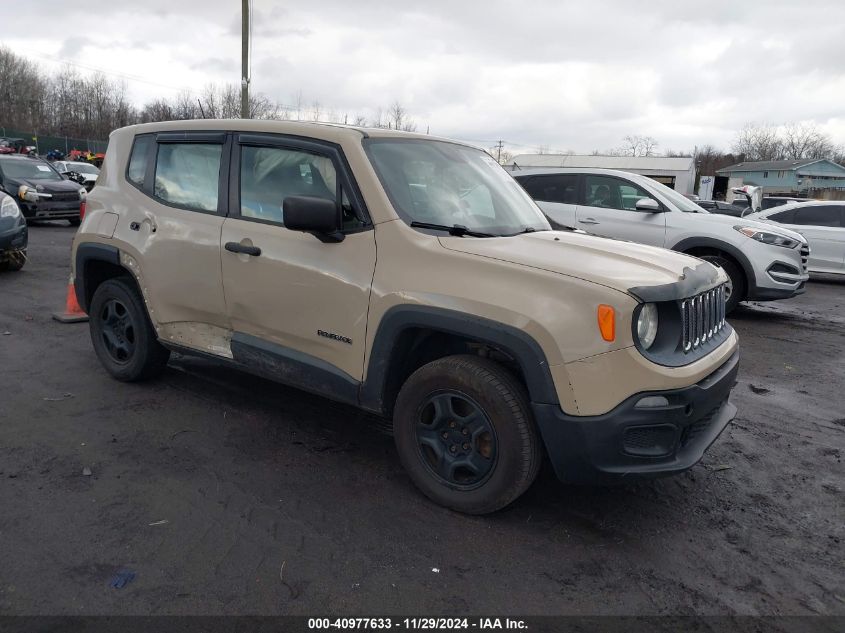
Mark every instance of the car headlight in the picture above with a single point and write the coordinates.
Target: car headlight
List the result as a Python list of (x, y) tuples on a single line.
[(28, 193), (647, 325), (9, 208), (767, 237)]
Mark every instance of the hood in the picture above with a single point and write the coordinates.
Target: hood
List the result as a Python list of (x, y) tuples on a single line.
[(747, 221), (48, 186), (613, 263)]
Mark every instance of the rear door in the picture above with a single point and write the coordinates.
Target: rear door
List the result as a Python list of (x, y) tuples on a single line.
[(555, 194), (173, 218), (608, 208), (822, 225), (299, 307)]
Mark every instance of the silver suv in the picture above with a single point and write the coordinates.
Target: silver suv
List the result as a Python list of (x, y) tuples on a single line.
[(763, 262)]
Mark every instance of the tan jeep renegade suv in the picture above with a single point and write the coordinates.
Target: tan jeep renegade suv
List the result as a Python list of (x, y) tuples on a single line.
[(414, 278)]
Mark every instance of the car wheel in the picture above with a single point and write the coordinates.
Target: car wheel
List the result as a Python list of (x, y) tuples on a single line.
[(123, 337), (465, 434), (735, 290), (14, 261)]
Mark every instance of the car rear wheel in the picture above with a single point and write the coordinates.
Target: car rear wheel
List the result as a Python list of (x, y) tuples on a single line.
[(735, 289), (123, 337), (465, 434)]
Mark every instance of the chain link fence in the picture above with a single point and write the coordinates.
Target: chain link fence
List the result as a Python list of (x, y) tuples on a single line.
[(64, 144)]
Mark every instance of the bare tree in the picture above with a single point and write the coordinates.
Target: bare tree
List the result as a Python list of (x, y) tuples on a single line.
[(805, 140), (397, 118), (758, 142), (638, 145)]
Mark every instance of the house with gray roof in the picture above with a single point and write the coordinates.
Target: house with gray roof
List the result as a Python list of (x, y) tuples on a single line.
[(787, 177)]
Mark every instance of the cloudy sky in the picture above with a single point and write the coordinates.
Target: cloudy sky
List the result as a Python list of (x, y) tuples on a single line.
[(566, 75)]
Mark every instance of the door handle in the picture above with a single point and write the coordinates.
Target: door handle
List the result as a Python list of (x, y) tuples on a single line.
[(150, 218), (237, 247), (589, 221)]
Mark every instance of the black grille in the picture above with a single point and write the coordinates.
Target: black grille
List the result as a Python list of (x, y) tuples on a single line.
[(805, 257), (64, 197), (702, 316), (649, 441)]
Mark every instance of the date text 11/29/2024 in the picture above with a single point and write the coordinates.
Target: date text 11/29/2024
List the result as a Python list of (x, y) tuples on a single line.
[(428, 624)]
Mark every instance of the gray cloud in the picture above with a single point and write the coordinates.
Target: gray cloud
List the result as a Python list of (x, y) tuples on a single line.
[(566, 75)]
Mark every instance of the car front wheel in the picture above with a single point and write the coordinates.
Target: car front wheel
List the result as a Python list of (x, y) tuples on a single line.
[(465, 434), (735, 290)]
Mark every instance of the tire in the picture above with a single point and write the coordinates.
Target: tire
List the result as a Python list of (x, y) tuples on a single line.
[(465, 434), (123, 337), (14, 261), (75, 221), (736, 285)]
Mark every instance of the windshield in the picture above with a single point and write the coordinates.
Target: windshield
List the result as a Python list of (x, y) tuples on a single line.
[(27, 169), (680, 201), (82, 168), (437, 182)]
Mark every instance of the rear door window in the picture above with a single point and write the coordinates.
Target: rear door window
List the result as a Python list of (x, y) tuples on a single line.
[(188, 175), (812, 215), (562, 188), (784, 217)]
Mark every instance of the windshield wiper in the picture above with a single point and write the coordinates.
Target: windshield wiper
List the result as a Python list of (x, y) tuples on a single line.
[(458, 230)]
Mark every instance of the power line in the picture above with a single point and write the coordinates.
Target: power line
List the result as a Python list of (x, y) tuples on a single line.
[(108, 72)]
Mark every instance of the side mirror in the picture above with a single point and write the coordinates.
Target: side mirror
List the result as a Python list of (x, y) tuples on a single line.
[(648, 205), (318, 216)]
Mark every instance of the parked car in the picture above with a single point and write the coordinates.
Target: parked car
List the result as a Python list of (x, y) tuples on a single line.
[(762, 262), (724, 208), (14, 146), (822, 223), (40, 191), (88, 171), (766, 202), (487, 337), (13, 234)]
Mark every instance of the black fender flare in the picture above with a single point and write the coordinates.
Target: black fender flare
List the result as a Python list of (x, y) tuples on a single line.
[(730, 249), (86, 252), (510, 340)]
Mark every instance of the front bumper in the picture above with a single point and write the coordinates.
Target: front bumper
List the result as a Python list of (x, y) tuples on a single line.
[(44, 210), (640, 442), (13, 236), (780, 273)]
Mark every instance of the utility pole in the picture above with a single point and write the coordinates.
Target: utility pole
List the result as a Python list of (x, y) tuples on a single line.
[(245, 59), (499, 152)]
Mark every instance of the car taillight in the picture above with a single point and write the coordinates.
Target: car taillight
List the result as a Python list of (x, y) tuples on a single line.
[(82, 210)]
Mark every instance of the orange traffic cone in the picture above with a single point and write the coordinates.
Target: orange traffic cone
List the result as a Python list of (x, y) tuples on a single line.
[(73, 313)]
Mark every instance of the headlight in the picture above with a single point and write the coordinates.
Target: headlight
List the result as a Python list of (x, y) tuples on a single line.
[(9, 208), (776, 239), (647, 325), (27, 193)]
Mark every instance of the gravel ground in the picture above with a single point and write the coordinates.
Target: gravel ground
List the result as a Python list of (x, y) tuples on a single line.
[(227, 494)]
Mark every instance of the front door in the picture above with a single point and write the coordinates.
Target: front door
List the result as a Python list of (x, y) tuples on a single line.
[(298, 305), (608, 208)]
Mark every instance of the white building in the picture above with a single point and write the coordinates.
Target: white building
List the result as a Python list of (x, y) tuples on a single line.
[(678, 173)]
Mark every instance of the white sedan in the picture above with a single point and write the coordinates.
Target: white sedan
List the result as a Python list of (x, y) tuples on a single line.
[(822, 223), (88, 171)]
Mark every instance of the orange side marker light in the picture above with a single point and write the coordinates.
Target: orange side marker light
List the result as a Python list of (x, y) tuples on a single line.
[(607, 322)]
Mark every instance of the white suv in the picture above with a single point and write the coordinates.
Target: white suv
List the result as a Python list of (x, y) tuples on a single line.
[(763, 262)]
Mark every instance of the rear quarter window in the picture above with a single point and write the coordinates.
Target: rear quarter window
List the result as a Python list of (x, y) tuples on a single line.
[(137, 167)]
